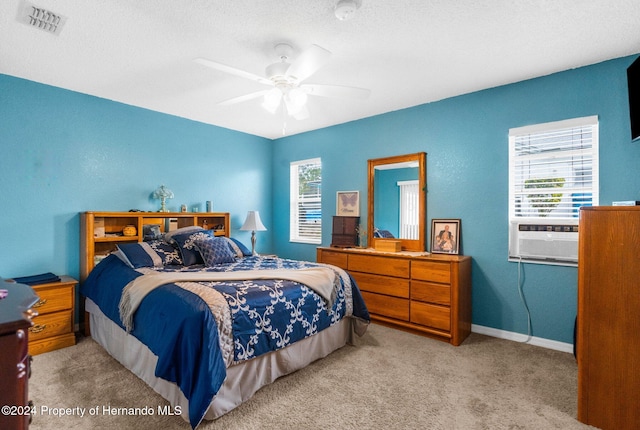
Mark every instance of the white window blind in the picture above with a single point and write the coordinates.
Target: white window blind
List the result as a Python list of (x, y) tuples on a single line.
[(553, 169), (305, 199), (409, 210)]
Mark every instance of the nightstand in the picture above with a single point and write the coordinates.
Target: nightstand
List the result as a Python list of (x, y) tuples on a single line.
[(53, 327)]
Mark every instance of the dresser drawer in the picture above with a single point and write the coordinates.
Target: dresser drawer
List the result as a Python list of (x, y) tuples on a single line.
[(53, 299), (51, 343), (397, 287), (431, 271), (398, 267), (51, 325), (426, 314), (431, 292), (392, 307), (335, 258)]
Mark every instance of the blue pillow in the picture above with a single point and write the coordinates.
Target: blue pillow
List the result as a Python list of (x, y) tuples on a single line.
[(168, 236), (155, 253), (168, 253), (238, 247), (382, 233), (215, 250), (186, 243), (151, 232)]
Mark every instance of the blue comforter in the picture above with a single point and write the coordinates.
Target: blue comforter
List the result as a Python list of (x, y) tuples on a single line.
[(179, 328)]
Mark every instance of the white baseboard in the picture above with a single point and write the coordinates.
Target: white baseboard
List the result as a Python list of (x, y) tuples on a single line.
[(523, 338)]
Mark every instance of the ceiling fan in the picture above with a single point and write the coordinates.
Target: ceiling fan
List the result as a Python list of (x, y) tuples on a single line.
[(286, 81)]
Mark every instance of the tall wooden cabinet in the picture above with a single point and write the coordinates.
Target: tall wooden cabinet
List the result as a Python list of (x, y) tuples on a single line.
[(608, 324), (15, 363), (429, 294)]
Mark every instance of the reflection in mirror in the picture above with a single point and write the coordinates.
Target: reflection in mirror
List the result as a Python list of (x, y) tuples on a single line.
[(397, 200)]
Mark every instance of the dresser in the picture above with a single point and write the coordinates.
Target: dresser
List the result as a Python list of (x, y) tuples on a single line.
[(608, 324), (15, 320), (53, 328), (428, 294)]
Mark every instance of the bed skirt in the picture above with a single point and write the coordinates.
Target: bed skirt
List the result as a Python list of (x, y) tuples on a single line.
[(243, 380)]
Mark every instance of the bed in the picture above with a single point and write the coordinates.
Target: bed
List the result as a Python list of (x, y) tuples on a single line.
[(206, 324)]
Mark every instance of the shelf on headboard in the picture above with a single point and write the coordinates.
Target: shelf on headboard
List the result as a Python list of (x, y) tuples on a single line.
[(100, 232)]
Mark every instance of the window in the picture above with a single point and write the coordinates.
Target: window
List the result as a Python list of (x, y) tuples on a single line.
[(553, 171), (305, 198)]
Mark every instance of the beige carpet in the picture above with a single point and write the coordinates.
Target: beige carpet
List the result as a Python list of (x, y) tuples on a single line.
[(392, 380)]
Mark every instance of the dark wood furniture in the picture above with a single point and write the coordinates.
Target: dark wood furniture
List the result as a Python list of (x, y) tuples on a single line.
[(345, 231), (15, 320), (424, 293), (608, 324), (53, 328)]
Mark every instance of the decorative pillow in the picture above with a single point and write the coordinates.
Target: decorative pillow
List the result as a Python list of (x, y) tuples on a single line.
[(238, 247), (168, 253), (187, 245), (138, 255), (215, 250), (168, 236), (151, 232), (382, 234)]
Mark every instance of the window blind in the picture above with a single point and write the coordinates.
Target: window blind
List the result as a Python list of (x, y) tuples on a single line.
[(409, 209), (553, 169), (306, 199)]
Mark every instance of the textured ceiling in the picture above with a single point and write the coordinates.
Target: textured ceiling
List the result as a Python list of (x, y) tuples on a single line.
[(408, 52)]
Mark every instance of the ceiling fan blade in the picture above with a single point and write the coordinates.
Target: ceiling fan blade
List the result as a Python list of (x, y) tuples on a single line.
[(232, 70), (244, 98), (308, 62), (336, 91)]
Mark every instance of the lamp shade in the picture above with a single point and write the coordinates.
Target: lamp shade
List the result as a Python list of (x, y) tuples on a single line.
[(162, 192), (253, 222)]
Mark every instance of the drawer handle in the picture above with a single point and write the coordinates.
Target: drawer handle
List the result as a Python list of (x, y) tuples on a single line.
[(37, 328), (31, 313), (40, 303)]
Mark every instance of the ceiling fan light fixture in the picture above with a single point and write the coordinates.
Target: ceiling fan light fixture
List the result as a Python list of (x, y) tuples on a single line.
[(297, 97), (272, 100), (345, 9)]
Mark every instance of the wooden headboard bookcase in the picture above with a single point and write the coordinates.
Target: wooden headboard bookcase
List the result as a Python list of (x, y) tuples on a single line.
[(101, 232)]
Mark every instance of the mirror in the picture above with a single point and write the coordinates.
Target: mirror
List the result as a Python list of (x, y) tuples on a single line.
[(397, 200)]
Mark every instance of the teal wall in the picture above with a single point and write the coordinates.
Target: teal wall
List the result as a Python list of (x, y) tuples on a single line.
[(466, 141), (62, 153)]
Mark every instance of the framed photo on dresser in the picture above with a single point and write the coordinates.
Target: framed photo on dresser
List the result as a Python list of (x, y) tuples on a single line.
[(445, 236), (348, 203)]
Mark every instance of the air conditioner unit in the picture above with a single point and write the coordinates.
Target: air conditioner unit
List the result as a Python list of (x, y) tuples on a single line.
[(544, 243)]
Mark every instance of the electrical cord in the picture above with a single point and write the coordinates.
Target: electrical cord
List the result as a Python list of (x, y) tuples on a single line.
[(524, 302)]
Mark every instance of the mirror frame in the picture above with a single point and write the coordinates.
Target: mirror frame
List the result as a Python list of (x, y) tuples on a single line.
[(407, 244)]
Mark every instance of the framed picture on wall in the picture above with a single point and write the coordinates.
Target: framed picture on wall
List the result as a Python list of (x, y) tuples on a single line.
[(348, 203), (445, 236)]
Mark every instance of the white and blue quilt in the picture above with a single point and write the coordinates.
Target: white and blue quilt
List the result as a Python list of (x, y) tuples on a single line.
[(198, 329)]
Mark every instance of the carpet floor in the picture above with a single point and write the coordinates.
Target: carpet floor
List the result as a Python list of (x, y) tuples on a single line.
[(390, 380)]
